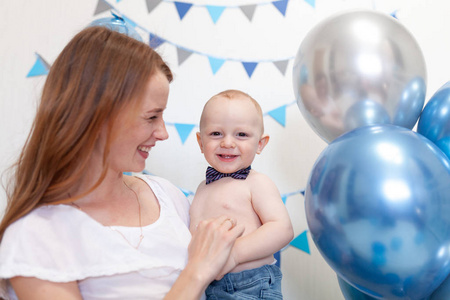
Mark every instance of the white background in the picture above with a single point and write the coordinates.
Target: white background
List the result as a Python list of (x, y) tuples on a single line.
[(46, 26)]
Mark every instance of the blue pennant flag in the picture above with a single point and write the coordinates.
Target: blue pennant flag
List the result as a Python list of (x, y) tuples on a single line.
[(184, 130), (182, 8), (394, 14), (40, 67), (302, 192), (155, 41), (279, 115), (215, 63), (277, 256), (215, 12), (311, 2), (249, 67), (281, 6), (127, 173), (284, 198), (301, 242)]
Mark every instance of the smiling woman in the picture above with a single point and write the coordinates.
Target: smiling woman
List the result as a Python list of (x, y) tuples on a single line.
[(76, 227)]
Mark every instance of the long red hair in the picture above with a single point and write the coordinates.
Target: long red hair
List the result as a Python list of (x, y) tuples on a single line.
[(97, 74)]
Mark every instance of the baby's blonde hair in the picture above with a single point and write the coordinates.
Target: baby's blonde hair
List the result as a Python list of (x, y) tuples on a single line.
[(232, 95)]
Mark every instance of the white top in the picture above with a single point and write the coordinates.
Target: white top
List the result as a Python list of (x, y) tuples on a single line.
[(61, 243)]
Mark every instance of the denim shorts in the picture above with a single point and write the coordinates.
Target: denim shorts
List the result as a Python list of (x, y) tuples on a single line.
[(259, 283)]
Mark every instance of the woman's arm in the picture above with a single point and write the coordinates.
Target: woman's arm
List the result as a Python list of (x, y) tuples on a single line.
[(208, 252), (36, 289)]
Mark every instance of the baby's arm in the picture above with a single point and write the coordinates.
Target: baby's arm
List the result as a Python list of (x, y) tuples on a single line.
[(276, 230)]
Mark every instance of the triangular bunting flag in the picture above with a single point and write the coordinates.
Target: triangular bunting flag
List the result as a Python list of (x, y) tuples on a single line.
[(215, 63), (102, 6), (249, 67), (284, 198), (248, 10), (281, 6), (281, 65), (40, 67), (184, 130), (311, 2), (151, 4), (394, 14), (127, 173), (301, 242), (277, 256), (182, 55), (155, 41), (215, 12), (182, 8), (279, 114), (302, 192)]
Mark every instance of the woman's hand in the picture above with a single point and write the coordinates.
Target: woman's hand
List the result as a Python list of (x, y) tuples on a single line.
[(211, 244), (209, 250)]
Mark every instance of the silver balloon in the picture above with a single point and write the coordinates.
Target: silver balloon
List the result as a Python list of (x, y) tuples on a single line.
[(359, 56)]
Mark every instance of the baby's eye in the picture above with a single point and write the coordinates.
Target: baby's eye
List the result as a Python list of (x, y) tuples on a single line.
[(242, 134), (215, 133)]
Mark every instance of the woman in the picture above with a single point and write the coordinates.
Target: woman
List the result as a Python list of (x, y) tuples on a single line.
[(75, 227)]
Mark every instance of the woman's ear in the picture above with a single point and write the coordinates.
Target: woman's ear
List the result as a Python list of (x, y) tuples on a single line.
[(262, 143), (199, 141)]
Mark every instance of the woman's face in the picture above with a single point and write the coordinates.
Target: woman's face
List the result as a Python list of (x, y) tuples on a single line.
[(137, 133)]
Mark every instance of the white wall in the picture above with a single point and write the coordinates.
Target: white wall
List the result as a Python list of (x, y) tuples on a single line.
[(46, 26)]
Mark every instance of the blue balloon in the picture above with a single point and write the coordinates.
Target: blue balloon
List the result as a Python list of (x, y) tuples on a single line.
[(411, 103), (365, 112), (350, 293), (378, 209), (434, 122), (118, 24), (442, 292)]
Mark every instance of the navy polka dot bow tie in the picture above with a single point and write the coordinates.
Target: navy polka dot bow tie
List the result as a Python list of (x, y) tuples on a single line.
[(213, 175)]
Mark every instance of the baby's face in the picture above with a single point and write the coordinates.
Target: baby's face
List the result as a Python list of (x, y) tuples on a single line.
[(230, 133)]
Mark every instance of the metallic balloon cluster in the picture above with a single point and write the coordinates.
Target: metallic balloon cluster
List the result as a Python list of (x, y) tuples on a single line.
[(378, 196)]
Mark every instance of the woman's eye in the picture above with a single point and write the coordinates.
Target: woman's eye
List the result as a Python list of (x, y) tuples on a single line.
[(152, 118)]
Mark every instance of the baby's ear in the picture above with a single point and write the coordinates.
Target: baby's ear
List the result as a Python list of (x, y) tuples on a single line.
[(262, 143), (199, 141)]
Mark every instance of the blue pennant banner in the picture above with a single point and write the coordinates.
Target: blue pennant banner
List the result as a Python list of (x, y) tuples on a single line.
[(301, 242), (281, 5), (155, 41), (279, 115), (182, 8), (311, 2), (249, 67), (184, 130), (215, 63), (284, 198), (215, 12), (40, 67)]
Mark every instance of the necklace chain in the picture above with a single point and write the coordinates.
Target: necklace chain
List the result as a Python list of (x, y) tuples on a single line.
[(141, 236)]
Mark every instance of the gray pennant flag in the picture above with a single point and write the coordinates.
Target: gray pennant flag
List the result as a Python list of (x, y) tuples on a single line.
[(182, 55), (281, 65), (101, 7), (151, 4), (248, 10)]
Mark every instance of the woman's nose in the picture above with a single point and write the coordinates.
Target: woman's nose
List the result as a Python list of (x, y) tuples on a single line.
[(161, 132)]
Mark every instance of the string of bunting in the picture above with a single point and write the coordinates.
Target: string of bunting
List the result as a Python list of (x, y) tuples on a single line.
[(184, 53), (215, 11)]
